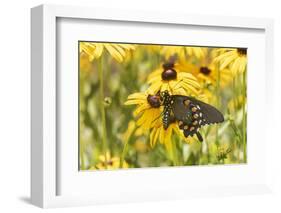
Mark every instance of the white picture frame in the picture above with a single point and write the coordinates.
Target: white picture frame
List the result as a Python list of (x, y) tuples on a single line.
[(45, 178)]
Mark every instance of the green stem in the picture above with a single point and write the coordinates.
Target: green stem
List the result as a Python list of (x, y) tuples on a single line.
[(235, 102), (124, 152), (244, 116), (125, 148), (235, 130), (204, 135), (102, 108), (174, 153)]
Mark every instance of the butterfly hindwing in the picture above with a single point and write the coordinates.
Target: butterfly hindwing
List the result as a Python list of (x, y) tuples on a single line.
[(191, 114), (210, 113), (182, 105)]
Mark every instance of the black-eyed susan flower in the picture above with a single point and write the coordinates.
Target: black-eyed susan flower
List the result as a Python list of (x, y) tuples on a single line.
[(148, 108), (109, 162), (234, 58), (148, 113), (208, 73), (170, 77), (183, 52), (95, 50)]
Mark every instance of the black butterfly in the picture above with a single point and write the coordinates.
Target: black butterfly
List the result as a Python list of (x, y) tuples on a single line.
[(189, 112)]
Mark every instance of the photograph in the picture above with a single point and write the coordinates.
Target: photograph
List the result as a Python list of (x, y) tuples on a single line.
[(160, 105)]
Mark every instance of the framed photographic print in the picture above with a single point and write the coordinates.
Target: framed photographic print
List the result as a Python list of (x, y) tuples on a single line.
[(147, 106)]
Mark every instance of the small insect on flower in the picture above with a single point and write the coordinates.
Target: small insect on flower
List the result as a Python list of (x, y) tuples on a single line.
[(190, 113)]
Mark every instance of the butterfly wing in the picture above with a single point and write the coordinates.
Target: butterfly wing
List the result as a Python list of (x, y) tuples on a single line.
[(191, 114), (210, 113), (180, 109)]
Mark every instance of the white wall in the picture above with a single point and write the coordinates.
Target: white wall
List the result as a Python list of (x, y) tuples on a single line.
[(15, 98)]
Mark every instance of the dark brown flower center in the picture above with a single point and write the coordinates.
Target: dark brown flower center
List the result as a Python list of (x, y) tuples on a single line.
[(154, 100), (205, 70), (169, 74), (242, 51)]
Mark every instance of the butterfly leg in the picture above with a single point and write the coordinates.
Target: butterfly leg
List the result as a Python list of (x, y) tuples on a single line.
[(199, 136)]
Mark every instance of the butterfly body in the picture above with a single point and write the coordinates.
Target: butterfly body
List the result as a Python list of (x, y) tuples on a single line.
[(167, 102), (190, 113)]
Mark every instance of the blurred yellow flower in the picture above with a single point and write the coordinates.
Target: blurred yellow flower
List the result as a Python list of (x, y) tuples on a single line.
[(140, 146), (236, 102), (84, 64), (153, 48), (170, 77), (208, 73), (234, 58), (109, 162), (95, 50), (182, 52), (222, 152)]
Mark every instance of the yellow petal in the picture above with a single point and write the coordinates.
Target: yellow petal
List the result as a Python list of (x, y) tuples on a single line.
[(98, 50), (224, 55), (135, 101), (156, 73), (162, 135), (154, 136), (141, 108), (114, 53), (137, 95), (154, 88), (192, 82), (119, 49), (234, 66), (227, 61), (145, 119), (127, 46), (102, 158), (242, 66)]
